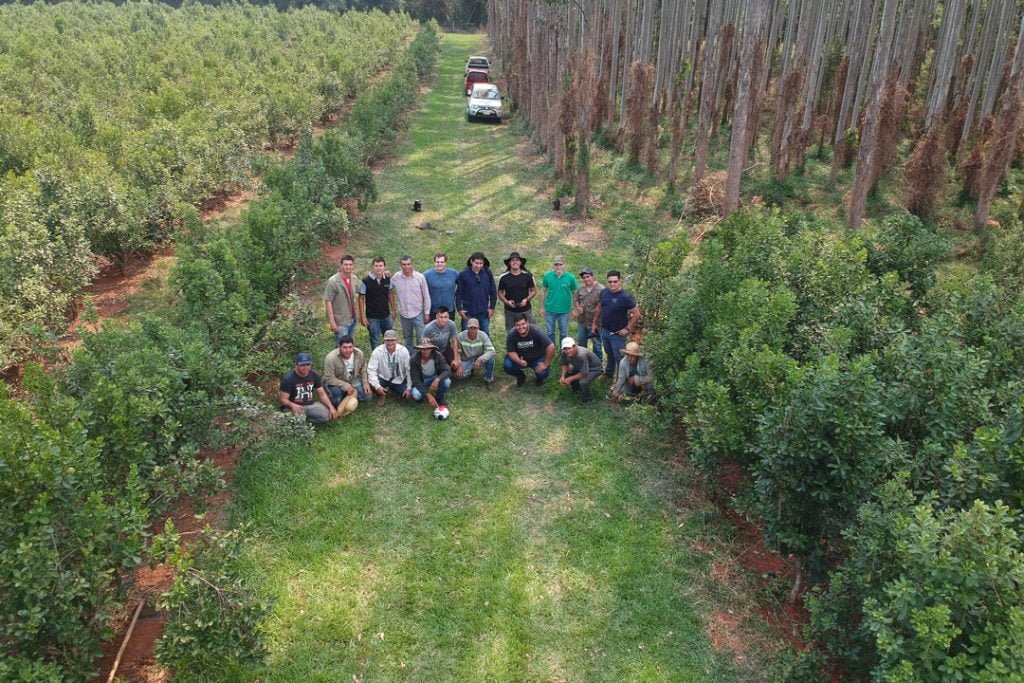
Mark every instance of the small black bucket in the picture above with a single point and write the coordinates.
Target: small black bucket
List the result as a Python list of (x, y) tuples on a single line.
[(417, 206), (557, 204)]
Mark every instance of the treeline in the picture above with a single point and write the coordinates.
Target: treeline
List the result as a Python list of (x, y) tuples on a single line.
[(116, 120), (94, 451), (879, 410), (845, 80)]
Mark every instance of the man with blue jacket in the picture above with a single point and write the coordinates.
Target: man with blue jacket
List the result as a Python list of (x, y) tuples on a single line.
[(475, 292)]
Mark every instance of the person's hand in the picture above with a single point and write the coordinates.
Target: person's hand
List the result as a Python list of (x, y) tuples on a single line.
[(362, 321), (476, 364), (564, 380), (614, 398), (407, 393), (296, 409), (435, 384), (334, 328), (541, 368), (490, 312), (624, 332), (593, 330), (522, 363), (432, 400), (522, 303), (351, 391), (458, 370), (426, 318), (335, 414), (463, 315), (380, 391)]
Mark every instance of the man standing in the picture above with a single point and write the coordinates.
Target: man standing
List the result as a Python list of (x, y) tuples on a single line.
[(617, 314), (585, 301), (431, 374), (475, 293), (299, 390), (558, 288), (635, 375), (345, 376), (515, 289), (376, 304), (413, 299), (340, 300), (580, 367), (441, 284), (388, 369), (444, 334), (475, 351), (528, 347)]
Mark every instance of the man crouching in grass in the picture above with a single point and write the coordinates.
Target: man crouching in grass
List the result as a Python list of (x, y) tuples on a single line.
[(299, 390)]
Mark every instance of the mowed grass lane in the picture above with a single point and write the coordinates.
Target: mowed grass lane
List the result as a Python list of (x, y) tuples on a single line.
[(525, 539)]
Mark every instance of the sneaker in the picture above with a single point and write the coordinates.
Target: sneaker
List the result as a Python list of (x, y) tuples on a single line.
[(520, 380)]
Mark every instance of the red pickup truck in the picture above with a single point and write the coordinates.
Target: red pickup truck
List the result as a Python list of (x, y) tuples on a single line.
[(474, 76)]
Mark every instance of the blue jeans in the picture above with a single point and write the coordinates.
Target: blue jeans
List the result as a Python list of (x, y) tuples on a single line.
[(349, 329), (411, 325), (377, 327), (613, 346), (562, 321), (583, 335), (485, 321), (337, 394), (442, 388), (467, 369), (511, 368)]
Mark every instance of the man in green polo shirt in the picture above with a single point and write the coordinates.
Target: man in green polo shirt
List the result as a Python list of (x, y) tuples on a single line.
[(559, 285)]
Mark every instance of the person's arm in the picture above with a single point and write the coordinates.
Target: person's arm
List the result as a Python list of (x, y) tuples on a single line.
[(565, 372), (393, 303), (488, 349), (444, 370), (287, 403), (501, 294), (403, 364), (549, 353), (515, 358), (362, 307), (597, 318), (326, 401), (425, 294), (329, 310), (460, 294), (371, 374), (492, 294), (332, 374), (455, 345), (634, 315), (416, 376), (529, 295), (620, 378)]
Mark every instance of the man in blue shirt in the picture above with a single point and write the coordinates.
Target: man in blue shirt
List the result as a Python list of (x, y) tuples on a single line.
[(475, 291), (441, 284), (617, 314)]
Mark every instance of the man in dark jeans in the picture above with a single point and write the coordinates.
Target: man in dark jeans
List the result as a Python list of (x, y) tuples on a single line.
[(580, 367), (617, 314), (475, 292), (528, 346), (376, 302)]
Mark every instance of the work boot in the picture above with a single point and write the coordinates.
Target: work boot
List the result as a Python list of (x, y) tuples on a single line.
[(520, 380)]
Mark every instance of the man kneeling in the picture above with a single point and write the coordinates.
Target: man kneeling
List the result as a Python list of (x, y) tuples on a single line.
[(580, 367), (431, 374), (345, 376), (299, 390)]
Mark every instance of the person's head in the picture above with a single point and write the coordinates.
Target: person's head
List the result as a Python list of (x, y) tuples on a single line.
[(406, 263), (569, 347), (476, 261), (440, 261), (559, 265), (614, 280), (426, 348), (390, 340), (515, 263), (379, 265), (443, 316), (347, 265), (632, 352), (472, 329), (303, 364), (522, 325), (346, 346), (587, 275)]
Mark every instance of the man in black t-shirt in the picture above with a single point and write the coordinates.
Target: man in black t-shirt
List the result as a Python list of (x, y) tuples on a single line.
[(515, 289), (299, 390), (376, 301), (528, 346)]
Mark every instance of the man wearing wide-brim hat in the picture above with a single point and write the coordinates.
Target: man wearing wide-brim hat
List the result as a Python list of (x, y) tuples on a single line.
[(634, 378), (515, 289), (431, 374), (476, 295)]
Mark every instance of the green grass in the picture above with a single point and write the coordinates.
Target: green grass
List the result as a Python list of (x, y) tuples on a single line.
[(525, 539)]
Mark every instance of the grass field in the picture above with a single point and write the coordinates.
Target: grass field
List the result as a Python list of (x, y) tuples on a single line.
[(528, 538)]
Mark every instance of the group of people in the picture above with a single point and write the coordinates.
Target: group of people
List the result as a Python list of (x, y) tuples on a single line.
[(426, 306)]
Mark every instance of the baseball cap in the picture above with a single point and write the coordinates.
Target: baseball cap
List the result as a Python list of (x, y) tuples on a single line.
[(303, 359), (472, 322), (568, 343), (587, 271), (559, 259)]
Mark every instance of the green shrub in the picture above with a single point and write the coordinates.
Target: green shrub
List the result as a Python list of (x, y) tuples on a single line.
[(904, 244)]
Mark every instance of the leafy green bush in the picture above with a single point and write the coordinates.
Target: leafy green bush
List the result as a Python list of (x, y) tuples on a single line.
[(904, 244)]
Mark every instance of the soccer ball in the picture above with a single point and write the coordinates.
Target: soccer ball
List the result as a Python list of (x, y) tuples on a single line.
[(441, 412)]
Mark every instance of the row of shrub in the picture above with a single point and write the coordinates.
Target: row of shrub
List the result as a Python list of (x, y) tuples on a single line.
[(875, 393), (95, 451), (116, 119)]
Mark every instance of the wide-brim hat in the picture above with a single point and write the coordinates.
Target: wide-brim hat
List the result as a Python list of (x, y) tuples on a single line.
[(476, 255), (425, 343), (515, 254), (348, 405), (632, 349)]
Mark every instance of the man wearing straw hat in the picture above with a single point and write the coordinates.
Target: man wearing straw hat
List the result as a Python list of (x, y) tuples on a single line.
[(634, 376), (345, 376)]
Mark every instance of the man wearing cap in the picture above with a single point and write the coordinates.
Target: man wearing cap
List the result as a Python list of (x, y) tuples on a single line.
[(635, 377), (616, 315), (376, 301), (441, 284), (558, 288), (340, 299), (585, 301), (580, 367), (475, 293), (388, 369), (431, 374), (515, 289), (444, 334), (299, 390), (412, 299), (475, 351), (345, 376), (527, 346)]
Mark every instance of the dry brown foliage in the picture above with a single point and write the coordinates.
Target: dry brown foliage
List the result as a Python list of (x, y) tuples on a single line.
[(707, 195), (890, 125), (926, 173), (641, 87)]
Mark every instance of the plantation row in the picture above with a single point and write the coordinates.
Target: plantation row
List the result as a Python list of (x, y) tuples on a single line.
[(876, 395), (116, 120), (96, 452)]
